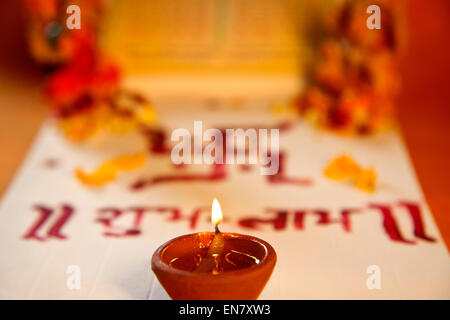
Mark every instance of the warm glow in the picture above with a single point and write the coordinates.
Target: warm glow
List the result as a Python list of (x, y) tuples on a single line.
[(216, 212)]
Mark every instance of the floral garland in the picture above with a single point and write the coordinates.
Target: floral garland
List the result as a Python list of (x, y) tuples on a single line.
[(83, 85), (351, 88), (353, 85)]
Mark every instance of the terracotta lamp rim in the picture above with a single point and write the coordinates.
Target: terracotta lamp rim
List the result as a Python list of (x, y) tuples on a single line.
[(269, 257)]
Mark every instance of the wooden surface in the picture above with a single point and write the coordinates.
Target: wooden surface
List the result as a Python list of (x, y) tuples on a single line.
[(424, 106), (424, 110), (21, 107)]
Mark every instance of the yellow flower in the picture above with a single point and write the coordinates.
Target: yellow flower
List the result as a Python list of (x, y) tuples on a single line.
[(365, 180), (345, 168), (108, 170), (146, 115), (342, 167)]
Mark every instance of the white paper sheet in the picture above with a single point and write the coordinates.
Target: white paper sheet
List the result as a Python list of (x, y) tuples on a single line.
[(322, 261)]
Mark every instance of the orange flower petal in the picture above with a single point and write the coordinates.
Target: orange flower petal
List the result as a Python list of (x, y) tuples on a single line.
[(365, 180), (342, 167), (108, 170)]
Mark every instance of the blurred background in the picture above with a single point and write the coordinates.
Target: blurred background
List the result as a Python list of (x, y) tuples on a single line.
[(184, 47)]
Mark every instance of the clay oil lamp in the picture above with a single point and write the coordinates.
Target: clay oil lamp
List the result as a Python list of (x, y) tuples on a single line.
[(214, 265)]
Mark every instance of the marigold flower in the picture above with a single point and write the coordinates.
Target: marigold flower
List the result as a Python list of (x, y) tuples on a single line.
[(365, 180), (342, 167), (108, 170), (345, 168)]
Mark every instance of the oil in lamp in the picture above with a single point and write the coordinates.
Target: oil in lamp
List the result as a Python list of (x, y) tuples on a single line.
[(214, 265)]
